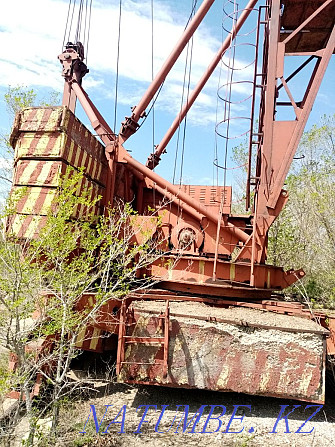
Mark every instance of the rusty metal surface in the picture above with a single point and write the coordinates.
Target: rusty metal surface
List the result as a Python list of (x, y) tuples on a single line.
[(330, 324), (316, 33), (242, 348), (55, 133), (35, 203), (107, 318), (289, 31), (290, 308), (41, 349), (74, 68), (46, 140), (276, 140), (219, 289), (90, 338), (25, 226), (191, 218), (211, 196), (293, 308), (37, 200), (52, 119), (228, 357), (59, 145), (199, 271)]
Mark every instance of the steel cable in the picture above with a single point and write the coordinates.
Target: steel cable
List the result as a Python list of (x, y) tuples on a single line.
[(82, 31), (66, 25), (160, 88), (88, 30), (70, 28), (187, 61), (117, 66), (152, 74)]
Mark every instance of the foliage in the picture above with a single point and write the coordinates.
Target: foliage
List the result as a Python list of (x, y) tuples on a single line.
[(240, 158), (16, 99), (303, 236), (20, 97), (42, 282), (49, 275)]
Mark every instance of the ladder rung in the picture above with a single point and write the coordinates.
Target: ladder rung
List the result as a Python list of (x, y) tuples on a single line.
[(131, 339), (158, 362)]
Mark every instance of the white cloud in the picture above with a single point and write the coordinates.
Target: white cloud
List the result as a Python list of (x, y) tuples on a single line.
[(31, 35), (5, 163)]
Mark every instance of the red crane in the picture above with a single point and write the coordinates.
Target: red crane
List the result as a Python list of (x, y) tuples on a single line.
[(251, 342)]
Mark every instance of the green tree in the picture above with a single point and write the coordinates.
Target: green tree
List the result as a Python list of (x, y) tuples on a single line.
[(15, 99), (70, 258), (303, 234)]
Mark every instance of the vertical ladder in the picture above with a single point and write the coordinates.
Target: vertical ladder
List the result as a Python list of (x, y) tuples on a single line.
[(126, 320), (256, 138)]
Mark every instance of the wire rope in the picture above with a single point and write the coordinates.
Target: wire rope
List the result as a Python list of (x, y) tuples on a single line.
[(188, 65), (153, 105), (152, 73), (216, 153), (88, 30), (70, 27), (181, 105), (79, 20), (185, 120), (82, 10), (67, 22), (187, 62), (160, 88), (117, 66), (230, 74), (85, 24)]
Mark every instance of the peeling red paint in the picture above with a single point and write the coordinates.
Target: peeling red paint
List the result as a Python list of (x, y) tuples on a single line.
[(224, 357)]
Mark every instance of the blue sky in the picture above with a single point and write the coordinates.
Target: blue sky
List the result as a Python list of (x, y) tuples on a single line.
[(31, 36)]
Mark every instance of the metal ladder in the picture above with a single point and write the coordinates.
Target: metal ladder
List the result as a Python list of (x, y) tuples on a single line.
[(126, 314)]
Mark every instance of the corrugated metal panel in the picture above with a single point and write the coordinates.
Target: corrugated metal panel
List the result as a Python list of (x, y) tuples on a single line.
[(44, 121), (60, 146), (46, 141), (38, 200), (55, 133), (210, 196)]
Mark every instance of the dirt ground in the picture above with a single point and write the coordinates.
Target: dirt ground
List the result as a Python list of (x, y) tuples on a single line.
[(257, 428)]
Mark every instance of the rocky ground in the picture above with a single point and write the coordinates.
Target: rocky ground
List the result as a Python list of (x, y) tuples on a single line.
[(113, 414), (259, 426)]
